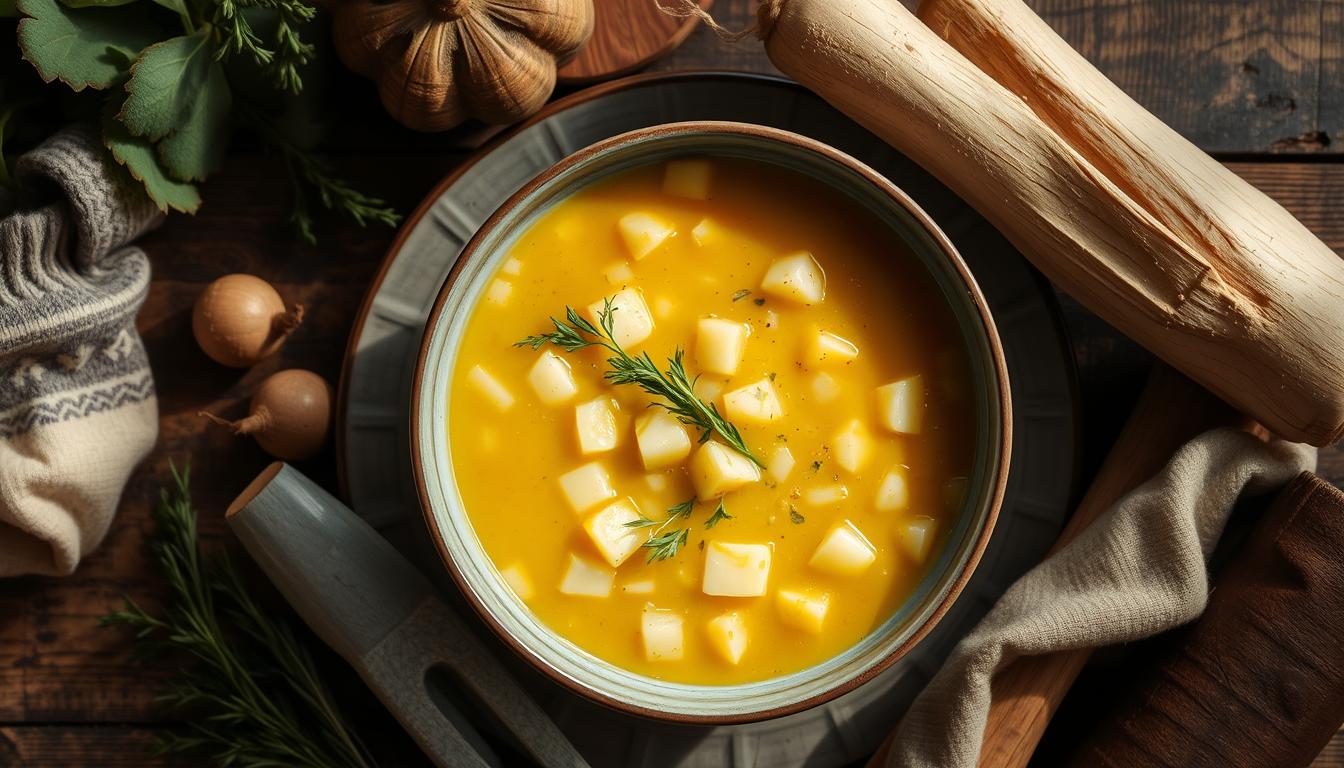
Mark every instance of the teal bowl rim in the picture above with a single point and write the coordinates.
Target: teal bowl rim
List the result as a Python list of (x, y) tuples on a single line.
[(600, 680)]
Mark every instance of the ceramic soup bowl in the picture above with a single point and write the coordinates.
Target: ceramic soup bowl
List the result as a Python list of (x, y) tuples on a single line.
[(581, 671)]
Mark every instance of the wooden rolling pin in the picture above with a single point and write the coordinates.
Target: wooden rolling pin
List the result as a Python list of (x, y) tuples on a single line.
[(1258, 681), (1025, 694), (1147, 231)]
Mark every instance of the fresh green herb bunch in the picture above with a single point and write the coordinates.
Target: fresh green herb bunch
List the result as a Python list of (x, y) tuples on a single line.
[(170, 97), (676, 389), (253, 695)]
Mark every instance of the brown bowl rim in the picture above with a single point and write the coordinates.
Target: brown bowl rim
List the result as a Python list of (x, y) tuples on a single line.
[(1000, 379)]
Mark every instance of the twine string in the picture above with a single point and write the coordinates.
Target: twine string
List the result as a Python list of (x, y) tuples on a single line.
[(766, 13)]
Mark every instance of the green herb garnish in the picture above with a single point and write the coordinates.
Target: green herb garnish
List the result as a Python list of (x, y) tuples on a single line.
[(719, 515), (742, 294), (674, 387), (664, 546), (795, 516)]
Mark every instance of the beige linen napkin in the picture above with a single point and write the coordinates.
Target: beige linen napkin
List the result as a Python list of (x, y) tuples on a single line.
[(77, 404), (1137, 571)]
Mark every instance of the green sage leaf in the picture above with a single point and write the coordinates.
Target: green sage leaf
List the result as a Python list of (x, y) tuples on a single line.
[(165, 81), (196, 149), (81, 47), (138, 156)]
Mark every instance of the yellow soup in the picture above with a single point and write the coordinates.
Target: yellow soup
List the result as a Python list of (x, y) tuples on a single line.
[(810, 328)]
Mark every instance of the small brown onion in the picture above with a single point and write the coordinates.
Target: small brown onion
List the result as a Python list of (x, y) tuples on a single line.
[(240, 320), (289, 415)]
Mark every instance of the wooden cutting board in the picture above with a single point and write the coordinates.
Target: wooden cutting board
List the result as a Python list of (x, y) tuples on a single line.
[(628, 35)]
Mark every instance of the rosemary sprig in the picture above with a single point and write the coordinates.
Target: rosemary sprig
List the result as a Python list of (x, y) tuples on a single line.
[(720, 514), (256, 698), (675, 388)]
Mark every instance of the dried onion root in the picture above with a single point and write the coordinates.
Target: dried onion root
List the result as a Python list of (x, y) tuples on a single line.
[(240, 320), (289, 415)]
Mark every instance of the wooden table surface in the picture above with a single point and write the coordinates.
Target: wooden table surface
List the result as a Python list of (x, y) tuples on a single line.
[(1260, 83)]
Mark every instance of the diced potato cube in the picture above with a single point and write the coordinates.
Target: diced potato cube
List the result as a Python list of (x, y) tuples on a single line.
[(917, 537), (641, 587), (662, 633), (499, 291), (512, 266), (755, 403), (552, 379), (826, 348), (643, 233), (736, 570), (704, 232), (596, 425), (796, 277), (687, 178), (717, 469), (515, 575), (662, 439), (631, 322), (852, 446), (893, 494), (585, 578), (609, 532), (900, 405), (494, 391), (803, 609), (780, 464), (618, 273), (657, 482), (826, 495), (825, 387), (707, 388), (587, 486), (728, 636), (844, 552), (719, 344)]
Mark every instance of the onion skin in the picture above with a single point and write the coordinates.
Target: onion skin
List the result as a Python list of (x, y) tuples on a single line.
[(290, 415), (240, 320)]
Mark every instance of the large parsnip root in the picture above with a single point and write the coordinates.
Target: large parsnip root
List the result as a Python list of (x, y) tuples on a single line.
[(1139, 225)]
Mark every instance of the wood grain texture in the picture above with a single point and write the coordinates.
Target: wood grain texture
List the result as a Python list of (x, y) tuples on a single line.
[(1210, 700), (628, 35), (105, 746)]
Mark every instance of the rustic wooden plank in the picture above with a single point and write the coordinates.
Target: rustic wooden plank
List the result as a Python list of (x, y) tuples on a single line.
[(106, 746), (1333, 754), (1233, 77)]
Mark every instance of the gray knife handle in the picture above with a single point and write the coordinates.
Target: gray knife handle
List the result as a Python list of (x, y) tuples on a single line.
[(381, 615)]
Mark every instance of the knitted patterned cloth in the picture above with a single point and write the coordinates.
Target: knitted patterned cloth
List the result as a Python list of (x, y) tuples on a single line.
[(77, 403)]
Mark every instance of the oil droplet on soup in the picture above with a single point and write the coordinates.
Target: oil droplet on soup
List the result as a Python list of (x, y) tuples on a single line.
[(810, 327)]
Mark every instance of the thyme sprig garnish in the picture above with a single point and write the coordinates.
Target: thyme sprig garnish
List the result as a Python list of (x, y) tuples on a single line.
[(720, 514), (675, 388), (255, 697), (664, 546)]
